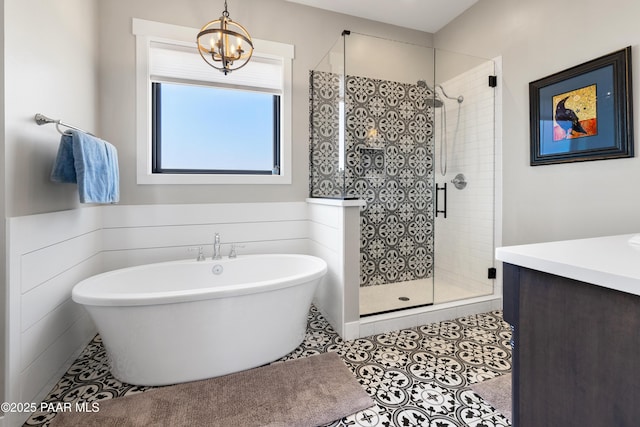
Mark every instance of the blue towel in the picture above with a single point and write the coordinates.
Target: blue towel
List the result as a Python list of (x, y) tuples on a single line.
[(90, 162), (63, 168)]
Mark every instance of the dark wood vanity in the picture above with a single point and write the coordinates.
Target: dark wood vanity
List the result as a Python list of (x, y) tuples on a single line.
[(576, 357)]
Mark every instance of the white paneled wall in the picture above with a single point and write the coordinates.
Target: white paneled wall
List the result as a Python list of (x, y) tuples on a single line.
[(136, 235), (50, 253), (47, 254), (334, 233)]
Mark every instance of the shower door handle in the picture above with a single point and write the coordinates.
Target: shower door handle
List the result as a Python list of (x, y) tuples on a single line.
[(444, 190)]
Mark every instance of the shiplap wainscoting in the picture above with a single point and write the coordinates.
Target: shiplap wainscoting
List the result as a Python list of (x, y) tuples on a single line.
[(49, 253), (334, 233)]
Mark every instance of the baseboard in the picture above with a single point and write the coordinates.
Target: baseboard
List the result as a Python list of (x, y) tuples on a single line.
[(411, 318), (351, 331)]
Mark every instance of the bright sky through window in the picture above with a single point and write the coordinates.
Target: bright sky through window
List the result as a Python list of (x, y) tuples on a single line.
[(207, 128)]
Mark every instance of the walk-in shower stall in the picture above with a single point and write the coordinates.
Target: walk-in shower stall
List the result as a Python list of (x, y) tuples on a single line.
[(410, 130)]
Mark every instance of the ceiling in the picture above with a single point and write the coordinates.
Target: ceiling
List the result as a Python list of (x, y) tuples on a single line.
[(423, 15)]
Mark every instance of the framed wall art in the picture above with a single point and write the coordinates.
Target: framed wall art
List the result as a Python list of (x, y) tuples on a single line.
[(584, 112)]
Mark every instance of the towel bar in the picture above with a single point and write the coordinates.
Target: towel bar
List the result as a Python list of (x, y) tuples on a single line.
[(41, 119)]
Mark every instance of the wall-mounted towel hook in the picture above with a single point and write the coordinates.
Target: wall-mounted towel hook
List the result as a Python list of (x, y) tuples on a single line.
[(41, 119)]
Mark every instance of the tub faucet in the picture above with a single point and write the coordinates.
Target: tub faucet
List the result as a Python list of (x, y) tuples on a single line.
[(216, 247)]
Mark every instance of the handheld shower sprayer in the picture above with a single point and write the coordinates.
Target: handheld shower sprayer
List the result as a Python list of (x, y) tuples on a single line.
[(437, 103)]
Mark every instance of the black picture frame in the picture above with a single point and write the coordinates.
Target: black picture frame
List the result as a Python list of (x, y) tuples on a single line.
[(583, 113)]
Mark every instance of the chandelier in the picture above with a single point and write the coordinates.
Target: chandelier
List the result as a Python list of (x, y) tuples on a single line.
[(225, 44)]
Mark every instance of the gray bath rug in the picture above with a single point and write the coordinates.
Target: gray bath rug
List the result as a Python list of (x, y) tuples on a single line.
[(496, 392), (303, 392)]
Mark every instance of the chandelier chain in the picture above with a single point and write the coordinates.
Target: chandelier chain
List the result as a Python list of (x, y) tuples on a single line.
[(225, 13)]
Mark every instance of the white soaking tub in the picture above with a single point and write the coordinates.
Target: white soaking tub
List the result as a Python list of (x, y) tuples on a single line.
[(181, 321)]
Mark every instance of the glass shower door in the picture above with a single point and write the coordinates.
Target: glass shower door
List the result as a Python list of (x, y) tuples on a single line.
[(465, 164), (389, 164)]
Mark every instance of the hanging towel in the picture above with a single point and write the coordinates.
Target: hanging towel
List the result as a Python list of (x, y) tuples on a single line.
[(63, 168), (91, 163)]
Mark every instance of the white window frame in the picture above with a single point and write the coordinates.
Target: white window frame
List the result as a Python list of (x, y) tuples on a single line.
[(147, 32)]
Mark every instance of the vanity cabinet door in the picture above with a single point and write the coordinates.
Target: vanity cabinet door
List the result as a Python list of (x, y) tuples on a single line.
[(576, 360)]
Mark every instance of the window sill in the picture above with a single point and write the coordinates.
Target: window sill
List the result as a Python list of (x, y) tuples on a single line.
[(195, 179)]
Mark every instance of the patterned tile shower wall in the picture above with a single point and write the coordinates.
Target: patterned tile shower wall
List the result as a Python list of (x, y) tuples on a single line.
[(325, 179), (388, 161)]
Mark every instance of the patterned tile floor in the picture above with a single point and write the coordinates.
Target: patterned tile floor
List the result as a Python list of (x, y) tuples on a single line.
[(417, 377)]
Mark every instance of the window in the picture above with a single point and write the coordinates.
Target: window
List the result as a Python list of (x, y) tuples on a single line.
[(203, 129), (198, 126)]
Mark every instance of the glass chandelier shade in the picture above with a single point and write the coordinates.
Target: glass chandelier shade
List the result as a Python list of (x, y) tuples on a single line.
[(225, 44)]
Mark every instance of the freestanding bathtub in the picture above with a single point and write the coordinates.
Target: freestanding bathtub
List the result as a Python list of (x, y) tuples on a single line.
[(181, 321)]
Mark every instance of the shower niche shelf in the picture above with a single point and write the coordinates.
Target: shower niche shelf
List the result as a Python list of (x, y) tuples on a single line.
[(372, 161)]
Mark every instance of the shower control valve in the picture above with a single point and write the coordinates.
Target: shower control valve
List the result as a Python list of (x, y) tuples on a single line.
[(460, 181)]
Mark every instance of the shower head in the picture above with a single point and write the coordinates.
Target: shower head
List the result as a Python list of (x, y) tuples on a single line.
[(459, 98), (435, 100)]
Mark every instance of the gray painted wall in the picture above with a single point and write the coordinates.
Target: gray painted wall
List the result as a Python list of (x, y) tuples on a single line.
[(537, 39), (3, 236), (95, 88), (312, 31), (48, 66)]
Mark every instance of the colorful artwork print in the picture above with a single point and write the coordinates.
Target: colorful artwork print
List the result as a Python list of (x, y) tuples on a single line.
[(575, 114)]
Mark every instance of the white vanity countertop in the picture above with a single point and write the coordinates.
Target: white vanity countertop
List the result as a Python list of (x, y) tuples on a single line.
[(611, 262)]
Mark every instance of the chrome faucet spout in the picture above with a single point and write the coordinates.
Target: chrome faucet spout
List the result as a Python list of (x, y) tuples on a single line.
[(216, 247)]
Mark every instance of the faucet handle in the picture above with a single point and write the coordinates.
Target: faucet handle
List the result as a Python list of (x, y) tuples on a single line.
[(200, 252), (232, 252)]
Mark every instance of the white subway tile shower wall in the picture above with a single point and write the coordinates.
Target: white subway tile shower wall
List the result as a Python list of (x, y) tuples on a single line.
[(464, 240)]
